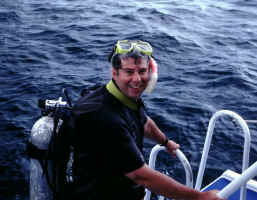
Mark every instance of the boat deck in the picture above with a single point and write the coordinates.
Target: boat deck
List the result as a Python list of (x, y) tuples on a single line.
[(226, 178)]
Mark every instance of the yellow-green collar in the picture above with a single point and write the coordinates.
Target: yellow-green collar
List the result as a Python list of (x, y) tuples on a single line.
[(111, 87)]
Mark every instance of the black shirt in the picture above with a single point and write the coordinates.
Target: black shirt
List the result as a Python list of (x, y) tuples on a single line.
[(107, 145)]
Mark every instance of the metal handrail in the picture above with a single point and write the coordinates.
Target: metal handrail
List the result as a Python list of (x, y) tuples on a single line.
[(247, 140), (188, 170)]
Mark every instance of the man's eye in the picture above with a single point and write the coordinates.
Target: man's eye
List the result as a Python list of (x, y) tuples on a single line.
[(130, 72), (142, 72)]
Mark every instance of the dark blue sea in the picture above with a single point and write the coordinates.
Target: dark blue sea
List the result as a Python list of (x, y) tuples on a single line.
[(207, 56)]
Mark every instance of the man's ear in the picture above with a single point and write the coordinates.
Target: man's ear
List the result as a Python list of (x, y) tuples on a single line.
[(114, 73)]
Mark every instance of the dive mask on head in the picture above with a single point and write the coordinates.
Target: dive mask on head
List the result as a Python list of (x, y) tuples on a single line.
[(127, 46)]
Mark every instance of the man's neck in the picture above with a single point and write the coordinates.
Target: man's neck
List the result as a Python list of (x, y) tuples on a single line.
[(115, 91)]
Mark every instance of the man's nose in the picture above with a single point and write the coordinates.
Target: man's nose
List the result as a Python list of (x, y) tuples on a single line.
[(136, 76)]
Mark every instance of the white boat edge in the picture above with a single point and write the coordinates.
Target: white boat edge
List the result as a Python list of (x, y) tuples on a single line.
[(230, 176)]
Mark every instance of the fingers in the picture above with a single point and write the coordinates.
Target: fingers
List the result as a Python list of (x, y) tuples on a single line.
[(212, 194), (172, 147)]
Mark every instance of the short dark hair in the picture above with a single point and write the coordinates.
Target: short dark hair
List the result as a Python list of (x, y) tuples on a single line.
[(116, 59)]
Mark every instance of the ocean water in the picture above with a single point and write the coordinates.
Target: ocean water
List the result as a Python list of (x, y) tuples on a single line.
[(207, 56)]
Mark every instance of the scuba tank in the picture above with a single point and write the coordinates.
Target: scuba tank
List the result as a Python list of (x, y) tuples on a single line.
[(43, 132)]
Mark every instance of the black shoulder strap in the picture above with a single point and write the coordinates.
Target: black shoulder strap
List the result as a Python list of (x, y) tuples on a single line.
[(34, 152)]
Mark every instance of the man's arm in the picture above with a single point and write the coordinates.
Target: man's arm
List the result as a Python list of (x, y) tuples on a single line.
[(166, 186), (152, 131)]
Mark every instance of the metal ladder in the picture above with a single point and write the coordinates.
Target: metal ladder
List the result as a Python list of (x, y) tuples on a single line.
[(235, 184)]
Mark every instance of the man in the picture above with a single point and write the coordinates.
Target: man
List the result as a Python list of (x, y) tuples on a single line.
[(110, 125)]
